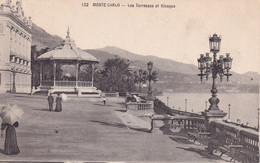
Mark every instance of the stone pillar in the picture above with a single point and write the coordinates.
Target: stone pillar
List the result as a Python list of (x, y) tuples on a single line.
[(41, 74), (210, 115), (92, 77), (54, 73), (77, 73), (14, 84)]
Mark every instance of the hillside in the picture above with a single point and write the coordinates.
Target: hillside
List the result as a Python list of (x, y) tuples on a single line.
[(161, 63), (42, 39), (166, 66)]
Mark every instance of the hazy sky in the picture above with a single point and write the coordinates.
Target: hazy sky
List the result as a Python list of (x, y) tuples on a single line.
[(180, 34)]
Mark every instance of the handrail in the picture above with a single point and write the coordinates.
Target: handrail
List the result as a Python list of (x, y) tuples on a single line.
[(67, 83), (247, 137), (139, 106), (46, 83), (116, 94)]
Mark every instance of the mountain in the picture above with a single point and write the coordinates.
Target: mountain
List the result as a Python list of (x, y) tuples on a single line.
[(184, 82), (42, 39), (161, 63), (166, 67)]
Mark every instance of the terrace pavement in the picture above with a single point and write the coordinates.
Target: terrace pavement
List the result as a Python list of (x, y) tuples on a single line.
[(86, 130)]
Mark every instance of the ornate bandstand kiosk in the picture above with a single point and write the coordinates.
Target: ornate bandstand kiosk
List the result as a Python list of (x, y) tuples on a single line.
[(67, 69)]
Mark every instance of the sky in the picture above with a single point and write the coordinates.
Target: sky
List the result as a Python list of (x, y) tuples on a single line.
[(180, 33)]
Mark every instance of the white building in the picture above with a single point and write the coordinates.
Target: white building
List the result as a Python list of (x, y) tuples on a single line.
[(15, 49)]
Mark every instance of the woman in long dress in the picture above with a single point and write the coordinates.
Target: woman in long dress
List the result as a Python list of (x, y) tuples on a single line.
[(58, 104), (11, 146)]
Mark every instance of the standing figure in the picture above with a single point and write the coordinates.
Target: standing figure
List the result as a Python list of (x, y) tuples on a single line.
[(58, 103), (104, 100), (50, 101), (11, 146)]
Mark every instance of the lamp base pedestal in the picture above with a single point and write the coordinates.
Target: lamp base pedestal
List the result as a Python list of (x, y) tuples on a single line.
[(211, 115)]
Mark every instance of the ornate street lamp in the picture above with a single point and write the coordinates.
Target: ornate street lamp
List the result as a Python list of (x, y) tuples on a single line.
[(214, 43), (229, 111), (258, 119), (185, 105), (13, 70), (152, 76), (150, 67), (216, 67)]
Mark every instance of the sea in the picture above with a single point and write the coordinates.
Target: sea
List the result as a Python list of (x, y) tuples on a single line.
[(243, 106)]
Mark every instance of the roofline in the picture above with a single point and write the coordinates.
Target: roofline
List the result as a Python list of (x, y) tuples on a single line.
[(49, 59), (17, 20)]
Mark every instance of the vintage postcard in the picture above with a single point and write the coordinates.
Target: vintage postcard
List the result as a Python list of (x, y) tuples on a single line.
[(129, 80)]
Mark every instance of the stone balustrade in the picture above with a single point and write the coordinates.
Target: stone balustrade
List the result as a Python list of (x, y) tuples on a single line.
[(67, 83), (116, 94), (246, 137), (249, 138), (139, 105)]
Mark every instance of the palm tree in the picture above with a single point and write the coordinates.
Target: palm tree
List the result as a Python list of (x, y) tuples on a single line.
[(140, 78), (115, 70)]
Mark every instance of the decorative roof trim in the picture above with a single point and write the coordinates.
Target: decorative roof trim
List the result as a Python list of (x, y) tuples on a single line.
[(18, 21)]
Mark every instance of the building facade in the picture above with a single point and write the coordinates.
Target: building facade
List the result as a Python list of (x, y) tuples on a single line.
[(15, 49)]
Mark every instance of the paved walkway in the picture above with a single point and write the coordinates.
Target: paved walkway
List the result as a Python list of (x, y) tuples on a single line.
[(87, 130)]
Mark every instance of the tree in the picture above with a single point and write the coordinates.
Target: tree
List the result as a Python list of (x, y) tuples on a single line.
[(115, 76), (140, 78), (129, 79)]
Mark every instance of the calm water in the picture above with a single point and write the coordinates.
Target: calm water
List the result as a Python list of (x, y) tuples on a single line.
[(243, 106)]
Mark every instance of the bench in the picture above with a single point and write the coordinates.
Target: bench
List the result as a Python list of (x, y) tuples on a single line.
[(249, 155), (227, 145), (232, 151), (198, 136)]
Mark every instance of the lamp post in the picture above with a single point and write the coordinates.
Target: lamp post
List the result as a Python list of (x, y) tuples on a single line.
[(150, 67), (185, 105), (167, 101), (229, 111), (258, 119), (206, 103), (216, 67), (13, 70), (14, 85)]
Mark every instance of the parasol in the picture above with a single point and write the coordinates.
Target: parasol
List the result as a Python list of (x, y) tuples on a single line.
[(10, 114), (64, 97)]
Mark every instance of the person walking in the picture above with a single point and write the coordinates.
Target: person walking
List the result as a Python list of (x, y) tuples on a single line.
[(11, 146), (58, 103), (104, 100), (50, 101)]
